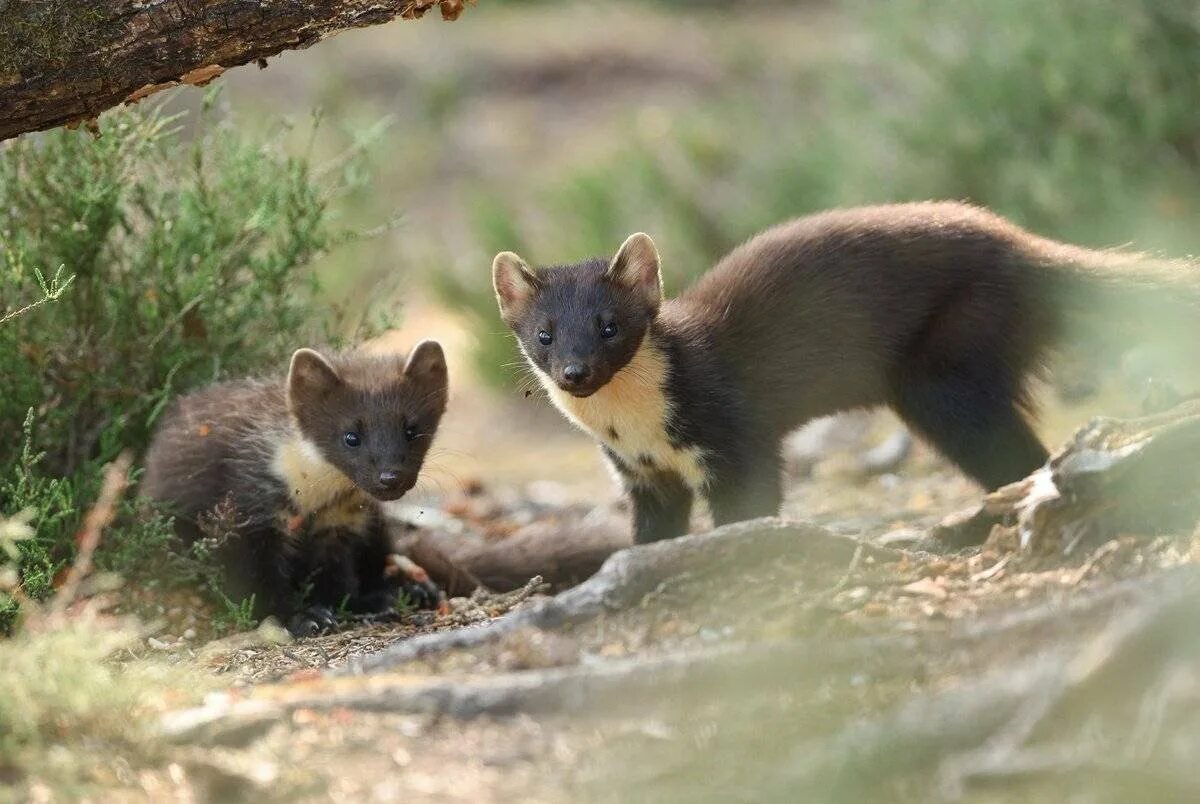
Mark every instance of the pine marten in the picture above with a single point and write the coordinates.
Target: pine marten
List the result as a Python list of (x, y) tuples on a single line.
[(299, 466), (940, 310)]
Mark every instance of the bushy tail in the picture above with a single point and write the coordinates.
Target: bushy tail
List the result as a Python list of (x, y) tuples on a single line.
[(1118, 299)]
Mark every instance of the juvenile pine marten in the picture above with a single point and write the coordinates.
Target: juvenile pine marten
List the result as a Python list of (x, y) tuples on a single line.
[(299, 467), (941, 311)]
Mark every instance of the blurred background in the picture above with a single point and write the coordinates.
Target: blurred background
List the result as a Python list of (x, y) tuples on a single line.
[(366, 183), (556, 129)]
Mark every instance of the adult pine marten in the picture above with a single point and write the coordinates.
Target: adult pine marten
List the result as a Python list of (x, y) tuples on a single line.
[(941, 311), (297, 468)]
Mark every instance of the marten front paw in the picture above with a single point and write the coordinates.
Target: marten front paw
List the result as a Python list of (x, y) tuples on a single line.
[(414, 582), (312, 621)]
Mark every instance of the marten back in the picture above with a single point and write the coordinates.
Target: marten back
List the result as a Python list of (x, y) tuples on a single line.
[(839, 309), (219, 444)]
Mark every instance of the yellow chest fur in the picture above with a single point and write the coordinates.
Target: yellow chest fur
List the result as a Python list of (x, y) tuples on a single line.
[(320, 490), (629, 415)]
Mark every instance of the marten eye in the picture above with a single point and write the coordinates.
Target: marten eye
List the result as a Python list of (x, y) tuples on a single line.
[(352, 439), (609, 330), (545, 338), (410, 433)]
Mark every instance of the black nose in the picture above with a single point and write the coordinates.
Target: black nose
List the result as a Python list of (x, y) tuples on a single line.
[(574, 373), (389, 479)]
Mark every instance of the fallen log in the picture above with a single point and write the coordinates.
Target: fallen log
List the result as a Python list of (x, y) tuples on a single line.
[(63, 63), (1135, 476)]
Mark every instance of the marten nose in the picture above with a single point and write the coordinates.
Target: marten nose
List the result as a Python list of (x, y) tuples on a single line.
[(389, 479), (576, 373)]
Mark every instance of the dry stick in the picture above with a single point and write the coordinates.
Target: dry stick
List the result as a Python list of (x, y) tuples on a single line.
[(844, 581), (503, 601), (495, 603), (100, 516)]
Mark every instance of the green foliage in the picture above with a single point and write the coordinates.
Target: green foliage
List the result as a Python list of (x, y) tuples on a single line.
[(1068, 116), (189, 263), (49, 504), (172, 262), (234, 615), (1079, 120)]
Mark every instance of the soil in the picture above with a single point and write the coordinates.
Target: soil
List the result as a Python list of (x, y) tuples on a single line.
[(698, 687)]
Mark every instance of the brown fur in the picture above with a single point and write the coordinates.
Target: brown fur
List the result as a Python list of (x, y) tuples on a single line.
[(273, 454), (939, 310)]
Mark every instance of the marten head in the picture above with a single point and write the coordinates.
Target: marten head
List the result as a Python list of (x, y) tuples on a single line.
[(581, 324), (372, 417)]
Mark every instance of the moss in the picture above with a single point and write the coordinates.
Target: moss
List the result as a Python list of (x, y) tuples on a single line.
[(45, 33)]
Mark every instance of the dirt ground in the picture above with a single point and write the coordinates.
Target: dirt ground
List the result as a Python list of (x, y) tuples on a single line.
[(679, 692)]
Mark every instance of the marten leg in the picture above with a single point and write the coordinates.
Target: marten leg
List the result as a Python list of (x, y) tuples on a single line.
[(257, 563), (325, 569), (973, 418), (961, 383), (662, 503), (749, 491), (271, 568), (661, 509), (383, 575)]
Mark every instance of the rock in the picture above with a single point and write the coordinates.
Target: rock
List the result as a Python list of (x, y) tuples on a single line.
[(888, 455), (900, 537), (220, 721)]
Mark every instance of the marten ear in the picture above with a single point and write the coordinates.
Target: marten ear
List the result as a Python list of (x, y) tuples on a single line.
[(426, 361), (311, 376), (516, 284), (636, 267)]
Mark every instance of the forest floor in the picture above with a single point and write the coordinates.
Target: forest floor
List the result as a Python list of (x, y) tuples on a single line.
[(841, 653)]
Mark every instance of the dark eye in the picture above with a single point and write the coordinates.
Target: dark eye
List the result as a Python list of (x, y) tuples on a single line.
[(352, 439), (609, 330), (410, 433), (545, 338)]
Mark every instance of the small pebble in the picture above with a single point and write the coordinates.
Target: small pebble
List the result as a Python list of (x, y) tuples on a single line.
[(158, 644), (889, 481), (189, 634)]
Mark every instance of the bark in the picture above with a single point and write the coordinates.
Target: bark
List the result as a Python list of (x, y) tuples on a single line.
[(1114, 476), (62, 62)]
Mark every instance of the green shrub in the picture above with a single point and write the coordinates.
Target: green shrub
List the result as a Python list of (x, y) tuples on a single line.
[(191, 261), (1073, 117)]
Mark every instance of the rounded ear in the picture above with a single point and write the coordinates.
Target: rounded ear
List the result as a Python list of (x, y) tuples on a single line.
[(427, 360), (637, 267), (310, 376), (515, 283)]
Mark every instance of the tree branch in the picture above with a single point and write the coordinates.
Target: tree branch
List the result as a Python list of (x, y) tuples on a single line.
[(65, 61)]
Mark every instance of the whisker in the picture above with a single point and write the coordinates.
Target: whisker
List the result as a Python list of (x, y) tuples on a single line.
[(437, 452), (435, 469)]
